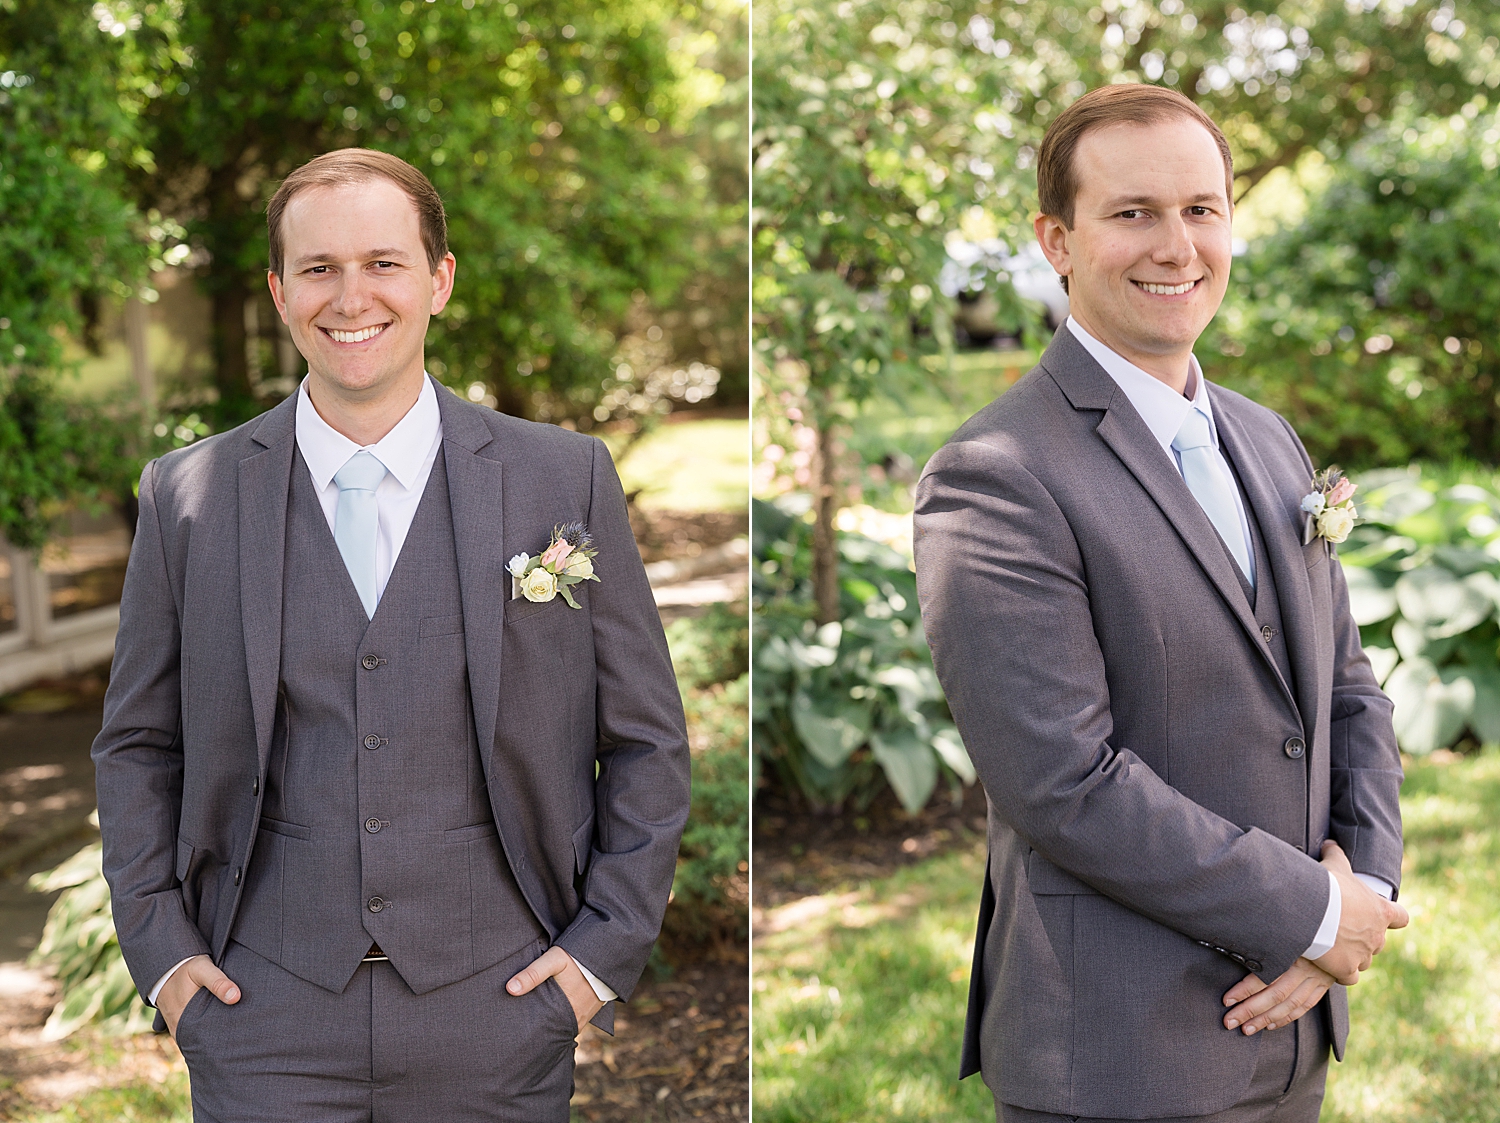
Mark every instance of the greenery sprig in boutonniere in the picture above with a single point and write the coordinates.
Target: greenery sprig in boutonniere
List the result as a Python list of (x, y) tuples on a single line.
[(567, 560), (1329, 507)]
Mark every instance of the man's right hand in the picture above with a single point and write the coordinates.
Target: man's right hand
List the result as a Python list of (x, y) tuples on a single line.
[(178, 990), (1364, 918)]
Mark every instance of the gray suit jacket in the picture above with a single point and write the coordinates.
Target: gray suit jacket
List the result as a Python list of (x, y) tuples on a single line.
[(580, 725), (1150, 838)]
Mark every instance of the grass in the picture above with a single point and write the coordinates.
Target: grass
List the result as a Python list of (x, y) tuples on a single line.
[(691, 466), (859, 998), (137, 1102)]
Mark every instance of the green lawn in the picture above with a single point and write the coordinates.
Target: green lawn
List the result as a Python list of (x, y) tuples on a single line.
[(690, 466), (859, 998)]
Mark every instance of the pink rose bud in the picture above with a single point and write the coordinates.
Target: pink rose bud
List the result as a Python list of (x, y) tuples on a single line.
[(1342, 491), (556, 553)]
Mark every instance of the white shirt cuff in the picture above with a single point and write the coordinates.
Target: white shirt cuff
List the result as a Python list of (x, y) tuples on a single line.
[(1328, 931), (601, 988), (161, 982)]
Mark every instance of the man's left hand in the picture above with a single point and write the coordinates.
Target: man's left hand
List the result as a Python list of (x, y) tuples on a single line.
[(1256, 1006), (558, 964)]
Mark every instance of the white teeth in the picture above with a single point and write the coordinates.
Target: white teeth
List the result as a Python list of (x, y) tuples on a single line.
[(1167, 290), (356, 336)]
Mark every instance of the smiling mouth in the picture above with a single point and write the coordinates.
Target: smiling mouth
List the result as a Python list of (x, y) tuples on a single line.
[(355, 336), (1167, 290)]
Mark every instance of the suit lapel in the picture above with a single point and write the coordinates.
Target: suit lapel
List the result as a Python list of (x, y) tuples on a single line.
[(263, 483), (474, 498), (1281, 535), (1088, 386)]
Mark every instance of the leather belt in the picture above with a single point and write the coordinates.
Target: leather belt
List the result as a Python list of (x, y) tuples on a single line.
[(375, 955)]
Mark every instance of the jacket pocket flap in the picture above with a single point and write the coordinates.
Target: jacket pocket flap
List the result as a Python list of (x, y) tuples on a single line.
[(441, 626), (1049, 880), (583, 843), (466, 834), (287, 830), (184, 858)]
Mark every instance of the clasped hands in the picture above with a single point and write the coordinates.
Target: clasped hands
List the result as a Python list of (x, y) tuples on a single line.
[(200, 971), (1364, 918)]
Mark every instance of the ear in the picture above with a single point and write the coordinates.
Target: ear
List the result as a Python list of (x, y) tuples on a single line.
[(278, 293), (442, 283), (1052, 234)]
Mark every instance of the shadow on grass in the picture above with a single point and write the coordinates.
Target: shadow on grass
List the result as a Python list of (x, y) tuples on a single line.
[(153, 1102)]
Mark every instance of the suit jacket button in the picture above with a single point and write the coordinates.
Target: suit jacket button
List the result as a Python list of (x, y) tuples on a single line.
[(373, 825), (372, 742), (1294, 747), (376, 904), (1266, 632), (370, 662), (237, 871)]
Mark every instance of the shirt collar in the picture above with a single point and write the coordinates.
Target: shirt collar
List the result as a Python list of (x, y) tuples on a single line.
[(1161, 408), (403, 450)]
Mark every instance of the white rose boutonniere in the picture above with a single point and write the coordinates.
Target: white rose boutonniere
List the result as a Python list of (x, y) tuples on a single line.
[(567, 560), (1329, 507)]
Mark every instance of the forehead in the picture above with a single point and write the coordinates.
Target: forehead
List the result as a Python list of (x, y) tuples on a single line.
[(1171, 157), (341, 216)]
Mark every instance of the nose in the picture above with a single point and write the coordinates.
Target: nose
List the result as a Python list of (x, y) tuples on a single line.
[(353, 296), (1175, 247)]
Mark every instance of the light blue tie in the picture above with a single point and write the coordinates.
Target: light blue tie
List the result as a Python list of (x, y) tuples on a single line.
[(1210, 486), (356, 522)]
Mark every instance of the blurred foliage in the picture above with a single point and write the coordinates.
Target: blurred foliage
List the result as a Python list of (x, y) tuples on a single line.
[(710, 893), (591, 159), (1424, 584), (843, 709), (80, 944), (1370, 323)]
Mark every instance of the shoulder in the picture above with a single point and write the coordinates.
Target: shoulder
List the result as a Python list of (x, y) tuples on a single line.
[(1026, 425), (209, 464), (1270, 432)]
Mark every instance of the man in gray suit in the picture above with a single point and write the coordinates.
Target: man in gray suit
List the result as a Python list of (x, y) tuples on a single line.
[(1191, 770), (383, 824)]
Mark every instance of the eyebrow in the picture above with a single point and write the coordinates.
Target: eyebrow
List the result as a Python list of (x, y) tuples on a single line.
[(1125, 203), (383, 253)]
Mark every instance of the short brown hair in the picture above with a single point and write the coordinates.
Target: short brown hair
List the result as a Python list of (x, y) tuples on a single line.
[(347, 166), (1129, 103)]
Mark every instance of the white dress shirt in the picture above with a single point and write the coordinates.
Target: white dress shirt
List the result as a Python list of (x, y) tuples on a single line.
[(1163, 410), (408, 452)]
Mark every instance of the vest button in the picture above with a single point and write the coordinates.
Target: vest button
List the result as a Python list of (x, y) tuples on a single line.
[(373, 825), (237, 871), (370, 662), (1266, 632), (255, 786), (372, 742), (376, 904), (1294, 747)]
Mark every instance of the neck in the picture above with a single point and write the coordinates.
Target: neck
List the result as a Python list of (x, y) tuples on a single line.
[(1173, 367), (363, 419)]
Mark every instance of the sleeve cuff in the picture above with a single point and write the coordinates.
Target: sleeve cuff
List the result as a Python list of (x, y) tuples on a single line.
[(601, 988), (1328, 931), (1378, 885), (161, 982)]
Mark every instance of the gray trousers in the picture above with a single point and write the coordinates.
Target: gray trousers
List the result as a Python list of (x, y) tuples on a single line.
[(377, 1053), (1287, 1086)]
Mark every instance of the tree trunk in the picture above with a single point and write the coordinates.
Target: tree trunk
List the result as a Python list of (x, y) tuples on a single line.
[(825, 540), (231, 367)]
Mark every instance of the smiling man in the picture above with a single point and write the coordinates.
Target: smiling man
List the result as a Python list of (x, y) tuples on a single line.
[(1194, 833), (382, 833)]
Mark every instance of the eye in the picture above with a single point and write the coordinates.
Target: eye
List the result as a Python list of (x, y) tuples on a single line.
[(318, 270), (1199, 212), (1130, 214), (385, 265)]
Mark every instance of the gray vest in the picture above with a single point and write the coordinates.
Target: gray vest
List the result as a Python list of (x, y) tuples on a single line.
[(376, 824)]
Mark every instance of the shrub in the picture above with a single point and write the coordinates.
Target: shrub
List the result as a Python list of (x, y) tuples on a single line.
[(1424, 582), (844, 709)]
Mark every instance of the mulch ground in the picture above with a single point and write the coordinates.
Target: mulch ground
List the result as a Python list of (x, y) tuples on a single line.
[(797, 852), (664, 535)]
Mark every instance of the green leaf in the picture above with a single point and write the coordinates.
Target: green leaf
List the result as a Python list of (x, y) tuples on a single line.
[(1431, 708), (831, 727), (1485, 718), (908, 763), (950, 747), (1383, 661), (1370, 599), (1442, 604)]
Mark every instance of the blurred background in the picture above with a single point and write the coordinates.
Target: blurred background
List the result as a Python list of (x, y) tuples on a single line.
[(896, 290), (592, 160)]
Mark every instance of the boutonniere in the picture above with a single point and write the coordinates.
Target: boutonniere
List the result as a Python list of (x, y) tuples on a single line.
[(1329, 507), (567, 560)]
